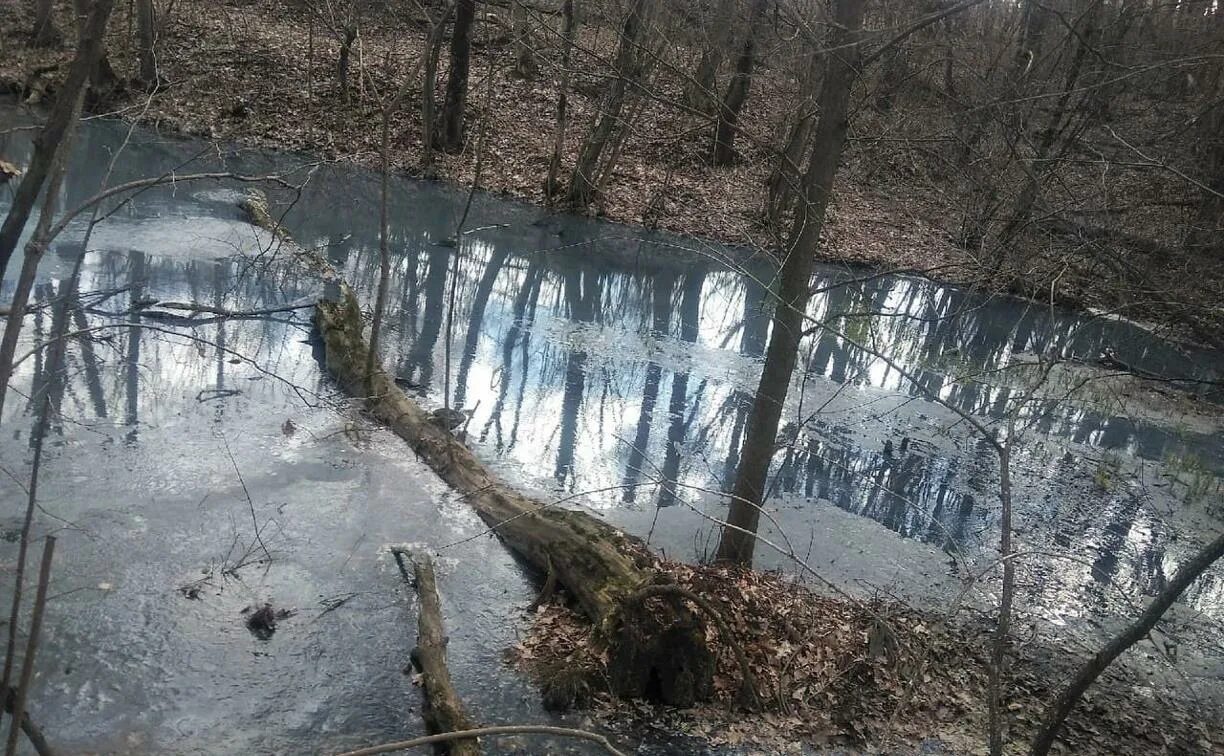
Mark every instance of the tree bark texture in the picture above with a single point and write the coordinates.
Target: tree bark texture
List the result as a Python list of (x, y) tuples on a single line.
[(146, 34), (45, 32), (718, 31), (568, 30), (349, 36), (737, 91), (525, 66), (457, 80), (785, 179), (38, 741), (738, 542), (429, 86), (102, 77), (627, 67)]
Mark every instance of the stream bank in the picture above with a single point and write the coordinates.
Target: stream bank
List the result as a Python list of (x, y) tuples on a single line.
[(561, 388), (233, 71)]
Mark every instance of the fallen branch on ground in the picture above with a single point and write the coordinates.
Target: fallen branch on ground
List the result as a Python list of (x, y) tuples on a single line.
[(446, 737)]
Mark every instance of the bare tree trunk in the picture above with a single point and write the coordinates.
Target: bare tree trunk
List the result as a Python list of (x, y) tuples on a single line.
[(102, 78), (27, 663), (34, 251), (738, 541), (568, 30), (700, 88), (737, 91), (457, 80), (1207, 230), (584, 179), (1058, 710), (38, 741), (342, 62), (146, 33), (45, 32), (1058, 125), (429, 89), (786, 177), (616, 145), (525, 66), (998, 666), (57, 131)]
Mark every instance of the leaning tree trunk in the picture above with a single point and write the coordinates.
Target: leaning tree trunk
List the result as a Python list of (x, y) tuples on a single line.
[(457, 81), (660, 651), (45, 32), (1058, 710), (584, 180), (34, 250), (57, 131), (737, 91), (786, 176), (146, 35), (738, 541), (1059, 125)]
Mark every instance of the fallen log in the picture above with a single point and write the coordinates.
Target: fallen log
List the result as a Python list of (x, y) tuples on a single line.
[(443, 709), (657, 648)]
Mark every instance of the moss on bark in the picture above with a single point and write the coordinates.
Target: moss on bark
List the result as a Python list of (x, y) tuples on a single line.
[(665, 659)]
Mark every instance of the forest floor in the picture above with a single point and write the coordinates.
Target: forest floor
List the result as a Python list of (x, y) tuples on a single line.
[(838, 672), (256, 73)]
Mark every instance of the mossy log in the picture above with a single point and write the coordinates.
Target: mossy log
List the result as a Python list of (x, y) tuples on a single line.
[(443, 709), (657, 650)]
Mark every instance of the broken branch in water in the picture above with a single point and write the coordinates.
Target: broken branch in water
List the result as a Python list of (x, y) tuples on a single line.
[(208, 395), (250, 501), (446, 737), (302, 392), (171, 179), (443, 709), (218, 313), (598, 564)]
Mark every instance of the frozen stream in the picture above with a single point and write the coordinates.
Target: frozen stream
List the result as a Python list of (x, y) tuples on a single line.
[(603, 362)]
